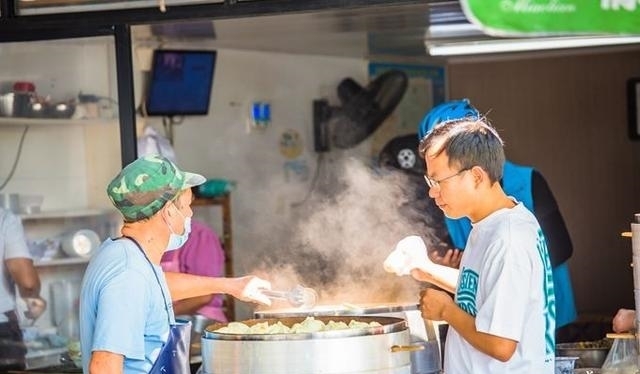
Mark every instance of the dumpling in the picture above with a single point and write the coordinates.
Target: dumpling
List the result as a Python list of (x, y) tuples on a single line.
[(309, 325), (234, 328), (332, 325), (278, 328), (260, 328), (353, 324)]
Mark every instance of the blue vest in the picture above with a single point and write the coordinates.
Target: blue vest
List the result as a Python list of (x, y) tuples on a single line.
[(516, 181)]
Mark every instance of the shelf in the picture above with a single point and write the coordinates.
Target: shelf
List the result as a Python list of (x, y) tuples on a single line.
[(217, 200), (39, 358), (61, 261), (33, 353), (17, 121), (57, 214)]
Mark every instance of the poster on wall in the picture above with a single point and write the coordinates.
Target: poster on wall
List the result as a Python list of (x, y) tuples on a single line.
[(426, 88)]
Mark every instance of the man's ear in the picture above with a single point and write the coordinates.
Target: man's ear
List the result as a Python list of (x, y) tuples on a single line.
[(166, 210), (478, 174)]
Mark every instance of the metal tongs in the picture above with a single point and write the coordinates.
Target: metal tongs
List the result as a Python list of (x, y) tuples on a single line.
[(298, 296)]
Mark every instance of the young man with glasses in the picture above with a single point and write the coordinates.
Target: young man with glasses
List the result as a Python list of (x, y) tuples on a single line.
[(528, 186), (502, 319)]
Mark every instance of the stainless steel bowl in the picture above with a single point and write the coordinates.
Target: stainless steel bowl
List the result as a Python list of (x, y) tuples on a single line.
[(588, 356)]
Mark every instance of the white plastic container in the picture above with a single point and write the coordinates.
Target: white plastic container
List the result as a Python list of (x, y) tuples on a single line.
[(81, 243), (565, 365)]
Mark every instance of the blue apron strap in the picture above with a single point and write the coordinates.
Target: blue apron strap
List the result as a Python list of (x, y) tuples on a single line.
[(174, 355)]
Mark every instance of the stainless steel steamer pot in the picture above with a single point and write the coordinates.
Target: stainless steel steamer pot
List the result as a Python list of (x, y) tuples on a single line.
[(372, 350), (423, 333)]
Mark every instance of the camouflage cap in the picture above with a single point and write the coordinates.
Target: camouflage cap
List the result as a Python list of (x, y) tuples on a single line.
[(144, 186)]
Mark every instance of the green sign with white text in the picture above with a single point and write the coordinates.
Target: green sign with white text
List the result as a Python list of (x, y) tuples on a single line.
[(552, 17)]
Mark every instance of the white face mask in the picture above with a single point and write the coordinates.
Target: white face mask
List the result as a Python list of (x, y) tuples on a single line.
[(175, 240)]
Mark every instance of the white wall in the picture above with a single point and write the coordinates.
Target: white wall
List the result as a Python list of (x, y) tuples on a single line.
[(223, 144)]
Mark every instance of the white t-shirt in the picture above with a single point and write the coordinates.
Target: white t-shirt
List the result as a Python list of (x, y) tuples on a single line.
[(506, 283), (12, 245)]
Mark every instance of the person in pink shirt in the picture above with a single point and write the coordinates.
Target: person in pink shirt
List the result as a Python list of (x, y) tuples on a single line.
[(202, 254)]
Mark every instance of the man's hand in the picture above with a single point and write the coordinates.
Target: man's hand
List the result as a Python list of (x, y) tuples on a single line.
[(434, 303), (251, 288), (624, 320), (451, 258)]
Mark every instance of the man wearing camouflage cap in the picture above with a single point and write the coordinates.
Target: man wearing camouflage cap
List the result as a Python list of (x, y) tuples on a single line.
[(127, 323)]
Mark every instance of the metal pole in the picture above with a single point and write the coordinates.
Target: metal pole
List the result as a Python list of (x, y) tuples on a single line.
[(635, 246), (126, 101)]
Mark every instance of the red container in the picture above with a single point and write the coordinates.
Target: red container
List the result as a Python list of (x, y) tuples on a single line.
[(24, 93), (21, 86)]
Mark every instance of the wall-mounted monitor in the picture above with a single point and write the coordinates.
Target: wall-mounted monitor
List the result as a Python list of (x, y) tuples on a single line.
[(180, 82)]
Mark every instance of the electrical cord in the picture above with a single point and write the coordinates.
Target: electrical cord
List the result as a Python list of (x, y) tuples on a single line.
[(15, 161), (168, 123), (314, 181)]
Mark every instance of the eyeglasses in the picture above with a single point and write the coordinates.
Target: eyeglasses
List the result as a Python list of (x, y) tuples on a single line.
[(433, 183)]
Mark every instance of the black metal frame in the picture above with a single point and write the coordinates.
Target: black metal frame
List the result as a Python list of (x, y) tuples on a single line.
[(15, 28), (633, 101), (228, 9)]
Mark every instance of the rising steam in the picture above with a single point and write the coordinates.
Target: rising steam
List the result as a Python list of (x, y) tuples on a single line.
[(339, 238)]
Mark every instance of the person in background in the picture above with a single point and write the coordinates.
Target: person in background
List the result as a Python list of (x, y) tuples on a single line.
[(201, 254), (17, 270), (401, 154), (502, 319), (127, 322), (527, 186), (624, 320)]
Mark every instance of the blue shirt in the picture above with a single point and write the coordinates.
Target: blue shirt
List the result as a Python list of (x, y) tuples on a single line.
[(12, 245), (122, 309)]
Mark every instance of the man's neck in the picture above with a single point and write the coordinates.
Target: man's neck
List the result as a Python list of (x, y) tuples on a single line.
[(152, 238), (493, 200)]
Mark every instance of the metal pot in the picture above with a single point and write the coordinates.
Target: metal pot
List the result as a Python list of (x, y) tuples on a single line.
[(422, 333), (374, 350)]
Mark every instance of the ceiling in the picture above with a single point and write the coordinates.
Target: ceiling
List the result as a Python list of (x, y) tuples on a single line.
[(364, 32)]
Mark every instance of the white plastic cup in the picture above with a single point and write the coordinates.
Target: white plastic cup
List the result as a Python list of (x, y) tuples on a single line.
[(565, 365), (10, 202)]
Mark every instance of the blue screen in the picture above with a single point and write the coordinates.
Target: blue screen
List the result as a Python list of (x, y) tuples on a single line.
[(180, 82)]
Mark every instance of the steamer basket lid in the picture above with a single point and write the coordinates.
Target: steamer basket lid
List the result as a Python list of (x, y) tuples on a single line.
[(344, 309)]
